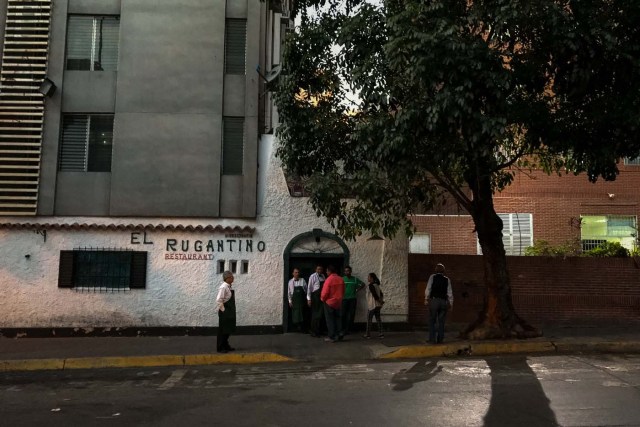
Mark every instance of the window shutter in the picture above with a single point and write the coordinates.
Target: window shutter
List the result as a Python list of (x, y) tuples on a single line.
[(138, 270), (65, 271), (79, 42), (92, 43), (73, 150), (233, 146), (235, 46)]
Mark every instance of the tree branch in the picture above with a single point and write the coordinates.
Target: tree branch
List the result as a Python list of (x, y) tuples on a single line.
[(455, 191)]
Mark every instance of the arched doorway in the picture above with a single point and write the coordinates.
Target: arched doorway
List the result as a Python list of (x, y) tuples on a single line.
[(305, 252)]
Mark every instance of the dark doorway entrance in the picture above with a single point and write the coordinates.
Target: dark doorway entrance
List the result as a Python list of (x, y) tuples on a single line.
[(305, 252), (307, 266)]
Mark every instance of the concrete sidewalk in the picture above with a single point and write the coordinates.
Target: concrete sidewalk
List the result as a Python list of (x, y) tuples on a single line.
[(88, 353)]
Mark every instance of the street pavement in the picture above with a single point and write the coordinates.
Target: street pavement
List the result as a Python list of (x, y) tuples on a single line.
[(17, 354)]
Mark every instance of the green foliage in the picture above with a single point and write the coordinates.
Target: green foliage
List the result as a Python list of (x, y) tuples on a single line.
[(400, 102), (608, 249), (543, 248)]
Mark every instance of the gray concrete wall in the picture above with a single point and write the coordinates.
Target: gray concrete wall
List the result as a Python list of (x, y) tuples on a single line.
[(167, 135), (169, 96)]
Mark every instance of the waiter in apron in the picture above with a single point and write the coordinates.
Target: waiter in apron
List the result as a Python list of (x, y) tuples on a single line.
[(226, 312), (297, 292)]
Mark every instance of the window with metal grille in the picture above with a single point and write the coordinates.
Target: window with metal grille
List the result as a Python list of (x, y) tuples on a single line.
[(235, 46), (232, 145), (632, 161), (102, 270), (92, 42), (87, 141), (517, 232), (596, 229)]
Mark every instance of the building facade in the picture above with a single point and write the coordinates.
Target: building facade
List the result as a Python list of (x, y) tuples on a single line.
[(561, 210), (137, 164)]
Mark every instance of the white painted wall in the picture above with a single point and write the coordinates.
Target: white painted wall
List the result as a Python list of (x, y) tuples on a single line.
[(181, 293)]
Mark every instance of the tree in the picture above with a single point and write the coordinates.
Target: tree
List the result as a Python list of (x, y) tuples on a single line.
[(388, 108)]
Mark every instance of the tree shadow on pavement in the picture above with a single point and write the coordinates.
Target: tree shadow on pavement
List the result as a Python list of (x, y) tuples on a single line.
[(421, 371), (517, 397)]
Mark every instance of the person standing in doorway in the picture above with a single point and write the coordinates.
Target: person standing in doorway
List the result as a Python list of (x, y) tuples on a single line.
[(331, 296), (350, 301), (316, 281), (297, 292), (439, 298), (226, 312), (374, 304)]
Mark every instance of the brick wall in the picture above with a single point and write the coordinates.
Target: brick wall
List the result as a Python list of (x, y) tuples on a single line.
[(555, 202), (544, 290)]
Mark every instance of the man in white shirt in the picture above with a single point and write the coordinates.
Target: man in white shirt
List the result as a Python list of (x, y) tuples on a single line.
[(297, 293), (226, 304), (316, 280)]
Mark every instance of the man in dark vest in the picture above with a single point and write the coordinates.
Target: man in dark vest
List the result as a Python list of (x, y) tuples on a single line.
[(437, 296)]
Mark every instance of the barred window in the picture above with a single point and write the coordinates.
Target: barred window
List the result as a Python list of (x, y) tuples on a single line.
[(87, 141), (92, 42), (632, 161), (102, 270), (597, 229)]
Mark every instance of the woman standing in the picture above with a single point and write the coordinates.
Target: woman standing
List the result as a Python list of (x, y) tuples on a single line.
[(374, 304), (226, 313)]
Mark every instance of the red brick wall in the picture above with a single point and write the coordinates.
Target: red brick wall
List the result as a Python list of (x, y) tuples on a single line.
[(544, 290), (555, 202)]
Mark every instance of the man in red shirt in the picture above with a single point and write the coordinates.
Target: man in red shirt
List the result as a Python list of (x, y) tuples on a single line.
[(331, 296)]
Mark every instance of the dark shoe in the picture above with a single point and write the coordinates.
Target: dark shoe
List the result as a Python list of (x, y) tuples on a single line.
[(315, 335), (230, 348), (367, 336), (381, 336), (341, 337), (224, 350)]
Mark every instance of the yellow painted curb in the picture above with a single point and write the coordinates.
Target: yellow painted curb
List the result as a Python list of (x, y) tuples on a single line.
[(599, 347), (235, 358), (483, 349), (123, 362), (31, 365), (434, 350), (469, 349)]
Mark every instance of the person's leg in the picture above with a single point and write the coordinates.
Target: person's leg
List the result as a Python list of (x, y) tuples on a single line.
[(220, 341), (353, 305), (226, 341), (369, 319), (339, 330), (442, 314), (344, 324), (379, 320), (331, 320), (433, 316), (316, 317)]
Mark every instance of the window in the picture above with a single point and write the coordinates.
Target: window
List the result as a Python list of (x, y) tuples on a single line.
[(420, 243), (596, 229), (517, 232), (233, 266), (102, 270), (232, 145), (632, 161), (86, 143), (92, 43), (220, 268), (244, 268), (235, 41)]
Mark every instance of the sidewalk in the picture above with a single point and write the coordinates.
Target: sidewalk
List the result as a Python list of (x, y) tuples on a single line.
[(88, 353)]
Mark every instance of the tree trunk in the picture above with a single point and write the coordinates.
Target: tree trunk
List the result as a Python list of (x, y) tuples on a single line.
[(498, 318)]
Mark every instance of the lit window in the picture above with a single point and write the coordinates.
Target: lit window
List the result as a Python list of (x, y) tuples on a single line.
[(597, 229)]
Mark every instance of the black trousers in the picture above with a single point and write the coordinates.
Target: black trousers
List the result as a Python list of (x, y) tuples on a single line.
[(223, 340)]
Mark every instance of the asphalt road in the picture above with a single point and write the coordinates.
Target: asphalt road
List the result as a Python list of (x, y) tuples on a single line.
[(518, 391)]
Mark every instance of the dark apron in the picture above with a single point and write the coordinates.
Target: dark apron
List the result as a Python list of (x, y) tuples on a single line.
[(227, 318), (298, 302), (317, 309)]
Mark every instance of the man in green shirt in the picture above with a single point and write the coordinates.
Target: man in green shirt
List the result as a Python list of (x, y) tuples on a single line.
[(350, 300)]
